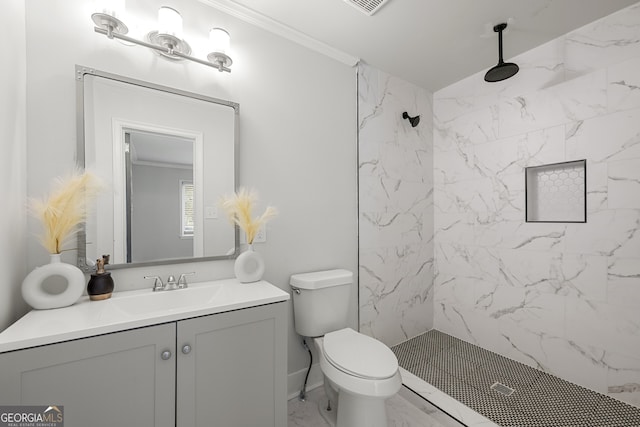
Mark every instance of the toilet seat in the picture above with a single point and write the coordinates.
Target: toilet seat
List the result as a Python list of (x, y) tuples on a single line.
[(345, 382), (359, 355)]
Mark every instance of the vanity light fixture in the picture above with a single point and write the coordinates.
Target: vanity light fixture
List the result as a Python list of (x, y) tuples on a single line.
[(220, 40), (167, 39), (169, 34)]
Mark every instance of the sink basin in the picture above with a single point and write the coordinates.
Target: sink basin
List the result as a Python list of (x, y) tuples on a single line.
[(145, 302)]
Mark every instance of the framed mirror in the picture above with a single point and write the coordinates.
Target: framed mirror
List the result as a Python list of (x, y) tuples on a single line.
[(166, 157)]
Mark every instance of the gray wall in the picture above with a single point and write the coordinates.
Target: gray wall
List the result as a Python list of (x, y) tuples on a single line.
[(155, 219), (13, 169), (297, 133)]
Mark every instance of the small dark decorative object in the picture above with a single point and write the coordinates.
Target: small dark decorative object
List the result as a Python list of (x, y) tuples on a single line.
[(413, 120), (100, 285)]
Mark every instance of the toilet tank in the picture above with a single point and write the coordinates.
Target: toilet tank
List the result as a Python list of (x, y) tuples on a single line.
[(321, 301)]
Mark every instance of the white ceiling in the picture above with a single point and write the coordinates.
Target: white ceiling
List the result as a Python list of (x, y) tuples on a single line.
[(432, 43), (153, 148)]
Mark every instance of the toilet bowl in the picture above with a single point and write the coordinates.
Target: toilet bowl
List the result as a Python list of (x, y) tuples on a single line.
[(360, 372), (363, 372)]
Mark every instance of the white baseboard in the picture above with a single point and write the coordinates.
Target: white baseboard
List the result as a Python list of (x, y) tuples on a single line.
[(296, 379)]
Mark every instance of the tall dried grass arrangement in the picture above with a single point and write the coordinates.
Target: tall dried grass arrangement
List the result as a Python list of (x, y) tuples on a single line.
[(239, 209), (64, 209)]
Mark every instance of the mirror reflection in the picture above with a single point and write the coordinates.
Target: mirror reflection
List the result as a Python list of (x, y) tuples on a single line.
[(159, 196), (167, 157)]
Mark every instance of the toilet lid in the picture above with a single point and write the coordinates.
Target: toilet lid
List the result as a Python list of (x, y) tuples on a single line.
[(359, 355)]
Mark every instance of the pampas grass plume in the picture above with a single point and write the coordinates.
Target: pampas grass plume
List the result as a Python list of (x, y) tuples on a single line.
[(64, 209), (239, 209)]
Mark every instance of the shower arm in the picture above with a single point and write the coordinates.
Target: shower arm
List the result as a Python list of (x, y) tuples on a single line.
[(499, 29)]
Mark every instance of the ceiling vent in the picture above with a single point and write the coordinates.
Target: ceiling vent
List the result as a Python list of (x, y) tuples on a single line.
[(368, 7)]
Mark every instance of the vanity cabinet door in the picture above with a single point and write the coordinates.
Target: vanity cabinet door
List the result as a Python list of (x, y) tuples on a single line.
[(117, 379), (233, 372)]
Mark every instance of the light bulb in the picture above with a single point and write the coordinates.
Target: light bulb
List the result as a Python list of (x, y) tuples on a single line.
[(220, 40), (169, 22), (113, 8)]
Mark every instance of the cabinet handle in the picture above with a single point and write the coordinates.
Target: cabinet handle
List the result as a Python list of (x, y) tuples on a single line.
[(165, 355), (186, 349)]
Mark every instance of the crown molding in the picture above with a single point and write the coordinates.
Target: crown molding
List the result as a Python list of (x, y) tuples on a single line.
[(259, 20)]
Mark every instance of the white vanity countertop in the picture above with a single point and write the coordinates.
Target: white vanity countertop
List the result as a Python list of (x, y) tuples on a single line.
[(134, 309)]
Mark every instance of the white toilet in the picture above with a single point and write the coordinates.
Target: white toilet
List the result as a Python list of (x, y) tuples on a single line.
[(361, 371)]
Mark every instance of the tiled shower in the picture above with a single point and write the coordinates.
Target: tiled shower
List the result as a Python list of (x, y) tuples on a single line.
[(443, 238), (395, 207)]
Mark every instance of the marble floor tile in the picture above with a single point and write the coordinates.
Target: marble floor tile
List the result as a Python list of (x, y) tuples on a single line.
[(406, 409)]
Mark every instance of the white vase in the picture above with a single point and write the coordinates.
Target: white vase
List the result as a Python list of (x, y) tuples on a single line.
[(38, 298), (249, 266)]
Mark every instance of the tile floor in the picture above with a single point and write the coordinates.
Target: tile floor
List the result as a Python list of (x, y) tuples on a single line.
[(468, 373), (458, 377), (406, 409)]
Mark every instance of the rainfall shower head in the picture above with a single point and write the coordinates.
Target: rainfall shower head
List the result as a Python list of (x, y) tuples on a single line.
[(413, 120), (503, 70)]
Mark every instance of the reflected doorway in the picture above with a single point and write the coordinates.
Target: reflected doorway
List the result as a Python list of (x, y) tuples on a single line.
[(159, 196)]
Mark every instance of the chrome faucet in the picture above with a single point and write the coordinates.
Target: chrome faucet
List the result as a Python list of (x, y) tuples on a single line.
[(171, 284), (182, 280), (157, 283)]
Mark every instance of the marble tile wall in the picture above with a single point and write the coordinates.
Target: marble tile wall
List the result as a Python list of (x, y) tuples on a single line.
[(561, 297), (395, 207)]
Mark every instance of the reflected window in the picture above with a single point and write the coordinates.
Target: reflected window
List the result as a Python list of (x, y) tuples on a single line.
[(186, 205)]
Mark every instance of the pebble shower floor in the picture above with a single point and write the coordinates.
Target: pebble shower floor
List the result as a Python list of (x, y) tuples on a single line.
[(467, 373)]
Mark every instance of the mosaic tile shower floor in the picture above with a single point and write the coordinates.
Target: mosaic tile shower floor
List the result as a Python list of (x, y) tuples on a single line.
[(467, 372)]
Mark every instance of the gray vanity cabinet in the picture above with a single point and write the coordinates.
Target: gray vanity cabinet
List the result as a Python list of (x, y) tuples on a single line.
[(234, 372), (226, 370), (110, 380)]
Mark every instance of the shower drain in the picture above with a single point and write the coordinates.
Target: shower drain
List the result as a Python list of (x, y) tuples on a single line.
[(503, 389)]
